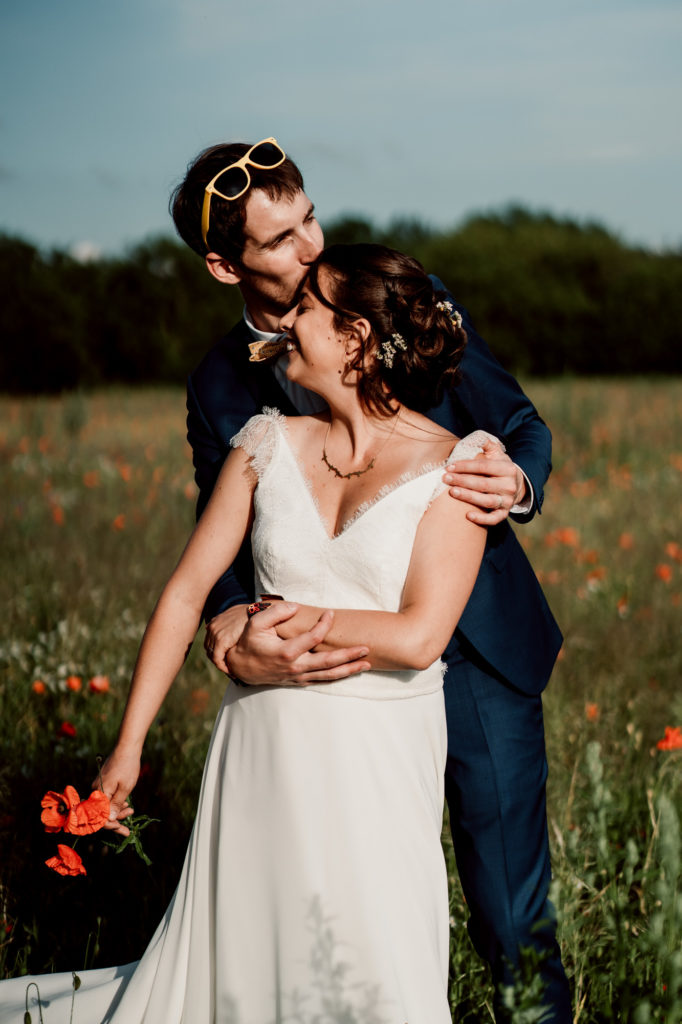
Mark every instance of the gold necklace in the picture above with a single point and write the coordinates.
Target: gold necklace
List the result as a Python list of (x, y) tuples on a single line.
[(370, 465)]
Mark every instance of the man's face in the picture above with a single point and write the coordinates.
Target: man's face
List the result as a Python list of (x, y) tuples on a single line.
[(282, 240)]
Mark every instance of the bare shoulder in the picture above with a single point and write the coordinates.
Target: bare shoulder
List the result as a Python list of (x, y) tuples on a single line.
[(445, 525), (434, 442), (301, 428), (445, 536), (238, 464)]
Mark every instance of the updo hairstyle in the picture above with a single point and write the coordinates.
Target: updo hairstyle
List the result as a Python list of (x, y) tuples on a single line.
[(396, 296)]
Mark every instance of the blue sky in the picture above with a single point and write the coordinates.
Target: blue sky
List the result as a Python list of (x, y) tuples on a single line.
[(391, 107)]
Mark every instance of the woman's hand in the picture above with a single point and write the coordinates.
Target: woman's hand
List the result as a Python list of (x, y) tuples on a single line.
[(117, 779), (222, 632)]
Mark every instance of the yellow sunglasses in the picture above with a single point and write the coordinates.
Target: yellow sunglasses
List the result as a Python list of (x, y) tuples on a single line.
[(235, 179)]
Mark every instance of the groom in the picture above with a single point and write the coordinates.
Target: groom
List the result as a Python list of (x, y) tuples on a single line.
[(245, 212)]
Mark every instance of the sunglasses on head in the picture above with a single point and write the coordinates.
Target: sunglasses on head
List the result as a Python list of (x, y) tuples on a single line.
[(233, 181)]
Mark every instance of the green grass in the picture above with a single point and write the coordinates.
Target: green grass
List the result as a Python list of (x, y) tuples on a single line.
[(97, 503)]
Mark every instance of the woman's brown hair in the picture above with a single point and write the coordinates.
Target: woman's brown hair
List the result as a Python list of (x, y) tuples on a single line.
[(393, 292)]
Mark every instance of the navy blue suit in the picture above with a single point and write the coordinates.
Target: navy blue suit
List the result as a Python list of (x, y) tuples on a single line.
[(499, 659)]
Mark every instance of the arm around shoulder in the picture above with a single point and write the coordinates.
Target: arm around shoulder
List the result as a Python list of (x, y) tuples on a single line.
[(493, 400)]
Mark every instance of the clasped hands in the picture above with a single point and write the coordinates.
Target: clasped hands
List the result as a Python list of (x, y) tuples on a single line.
[(253, 650)]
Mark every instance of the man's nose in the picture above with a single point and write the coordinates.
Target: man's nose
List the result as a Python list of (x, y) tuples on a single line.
[(311, 246)]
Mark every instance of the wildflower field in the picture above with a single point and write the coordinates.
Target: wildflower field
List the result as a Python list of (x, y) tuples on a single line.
[(97, 501)]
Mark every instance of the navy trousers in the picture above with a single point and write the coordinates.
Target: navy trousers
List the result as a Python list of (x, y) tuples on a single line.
[(495, 788)]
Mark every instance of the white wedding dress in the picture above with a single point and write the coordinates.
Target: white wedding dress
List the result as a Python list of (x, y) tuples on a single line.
[(314, 888)]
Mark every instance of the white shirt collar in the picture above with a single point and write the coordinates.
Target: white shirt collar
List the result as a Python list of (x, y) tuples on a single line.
[(259, 335)]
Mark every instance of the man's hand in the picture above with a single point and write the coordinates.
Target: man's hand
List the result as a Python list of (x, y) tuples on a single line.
[(261, 657), (491, 482), (223, 632), (119, 774)]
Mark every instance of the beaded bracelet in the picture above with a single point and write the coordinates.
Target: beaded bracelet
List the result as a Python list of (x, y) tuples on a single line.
[(265, 602)]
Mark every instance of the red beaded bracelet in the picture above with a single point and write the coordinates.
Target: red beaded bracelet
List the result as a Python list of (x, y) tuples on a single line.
[(265, 602), (257, 606)]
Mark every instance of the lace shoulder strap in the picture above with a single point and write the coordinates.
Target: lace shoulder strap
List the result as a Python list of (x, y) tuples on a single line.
[(467, 448), (258, 437), (472, 445)]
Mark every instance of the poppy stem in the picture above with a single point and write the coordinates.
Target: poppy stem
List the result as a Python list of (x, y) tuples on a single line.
[(27, 1015), (100, 760), (76, 985)]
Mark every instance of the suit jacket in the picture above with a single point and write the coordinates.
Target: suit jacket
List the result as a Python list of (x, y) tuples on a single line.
[(507, 619)]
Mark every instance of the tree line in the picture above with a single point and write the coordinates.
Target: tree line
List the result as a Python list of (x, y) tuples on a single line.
[(551, 296)]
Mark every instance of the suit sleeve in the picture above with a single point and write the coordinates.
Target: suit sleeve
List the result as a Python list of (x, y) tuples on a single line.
[(209, 451), (491, 399)]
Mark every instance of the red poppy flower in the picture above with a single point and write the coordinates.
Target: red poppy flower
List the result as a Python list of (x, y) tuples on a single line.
[(88, 815), (664, 572), (74, 683), (56, 808), (79, 817), (68, 862), (673, 550), (672, 739), (66, 729), (99, 684), (39, 686)]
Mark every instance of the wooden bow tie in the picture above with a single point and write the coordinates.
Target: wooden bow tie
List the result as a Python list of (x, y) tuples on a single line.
[(261, 351)]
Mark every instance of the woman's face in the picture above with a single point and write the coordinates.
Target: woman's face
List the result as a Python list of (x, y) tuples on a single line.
[(317, 350)]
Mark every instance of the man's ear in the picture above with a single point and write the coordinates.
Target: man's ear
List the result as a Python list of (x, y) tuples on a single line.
[(356, 335), (223, 270)]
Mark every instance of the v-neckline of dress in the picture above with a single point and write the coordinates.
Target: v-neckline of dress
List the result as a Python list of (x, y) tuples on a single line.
[(365, 506)]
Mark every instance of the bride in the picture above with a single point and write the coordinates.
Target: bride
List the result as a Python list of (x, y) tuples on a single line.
[(314, 886)]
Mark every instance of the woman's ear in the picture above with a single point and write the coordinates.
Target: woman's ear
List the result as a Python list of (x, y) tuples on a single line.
[(223, 270), (356, 335)]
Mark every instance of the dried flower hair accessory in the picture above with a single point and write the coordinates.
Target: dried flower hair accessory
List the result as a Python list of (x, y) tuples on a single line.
[(389, 348), (454, 314)]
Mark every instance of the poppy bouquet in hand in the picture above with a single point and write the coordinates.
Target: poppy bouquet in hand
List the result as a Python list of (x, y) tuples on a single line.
[(67, 812)]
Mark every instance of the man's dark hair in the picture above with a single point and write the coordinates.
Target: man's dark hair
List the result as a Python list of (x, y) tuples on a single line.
[(226, 227)]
